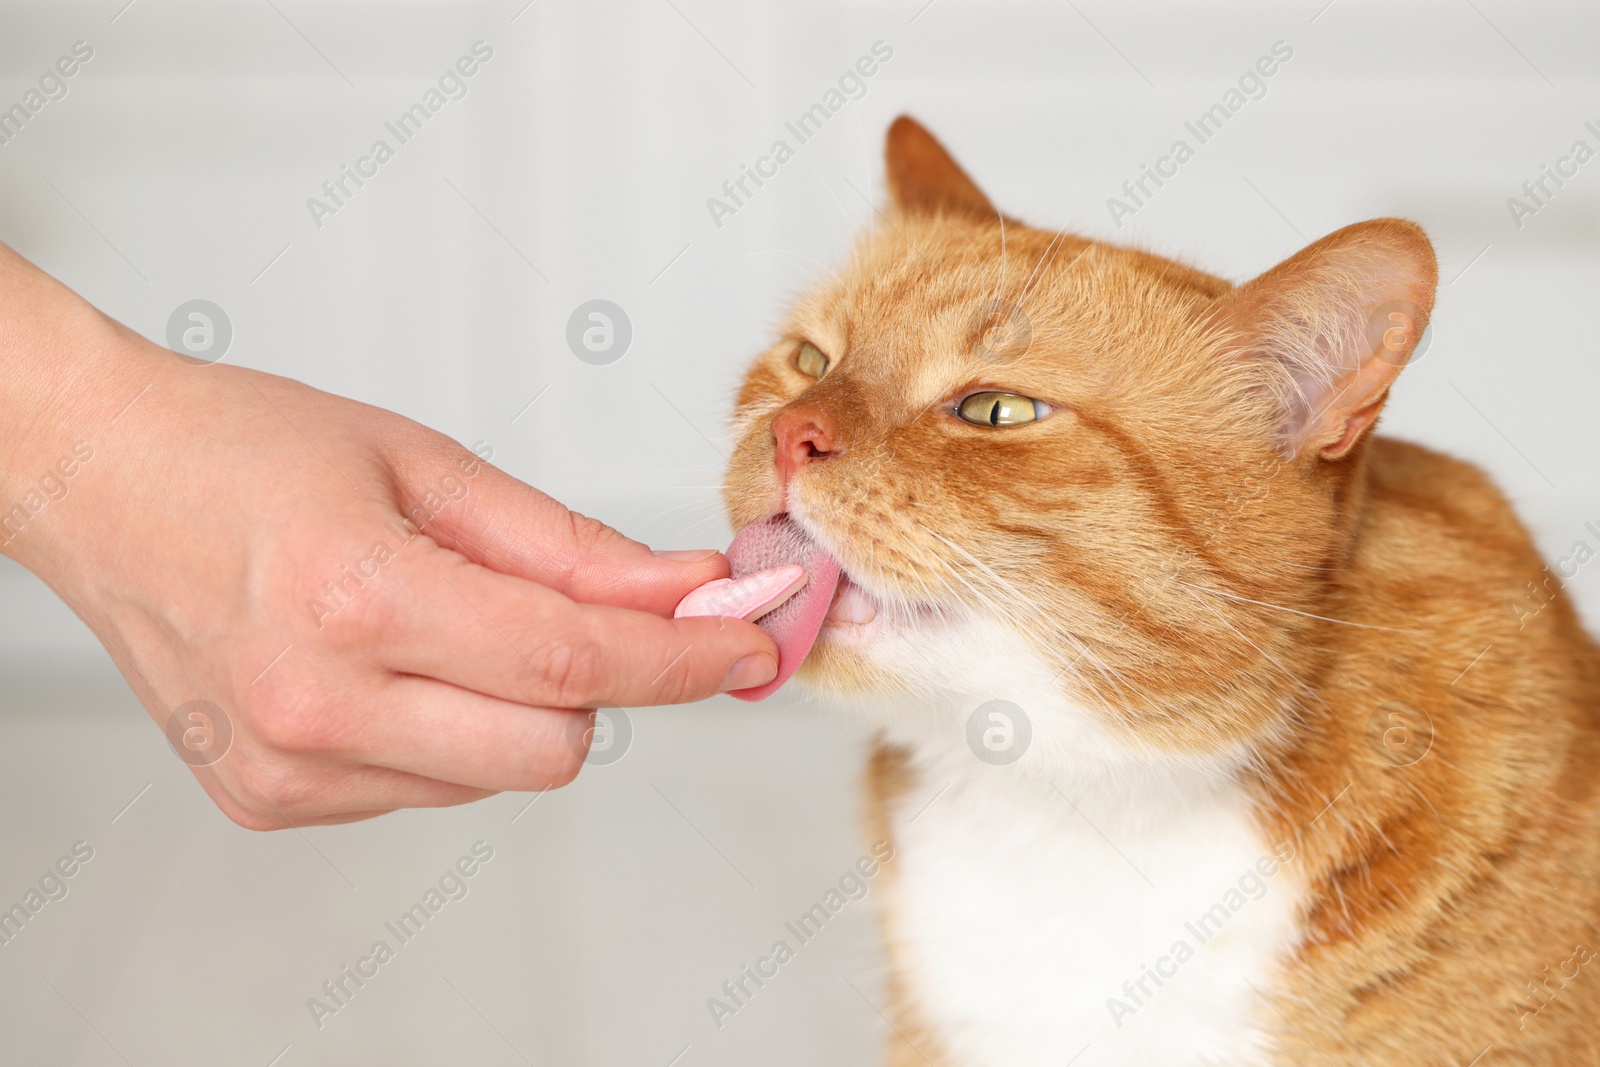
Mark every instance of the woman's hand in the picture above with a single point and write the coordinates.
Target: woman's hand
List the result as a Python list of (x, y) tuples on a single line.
[(381, 619)]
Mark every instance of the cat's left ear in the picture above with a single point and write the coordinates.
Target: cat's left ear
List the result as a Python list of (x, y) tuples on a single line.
[(925, 180), (1341, 318)]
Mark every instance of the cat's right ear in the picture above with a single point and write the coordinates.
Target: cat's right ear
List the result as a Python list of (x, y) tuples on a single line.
[(1334, 324), (925, 180)]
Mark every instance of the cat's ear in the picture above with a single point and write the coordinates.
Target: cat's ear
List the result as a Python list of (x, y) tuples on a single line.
[(1339, 319), (924, 180)]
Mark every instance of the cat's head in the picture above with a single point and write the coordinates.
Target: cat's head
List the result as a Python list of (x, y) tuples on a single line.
[(1049, 463)]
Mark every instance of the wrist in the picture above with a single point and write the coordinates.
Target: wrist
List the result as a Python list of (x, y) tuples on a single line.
[(68, 374)]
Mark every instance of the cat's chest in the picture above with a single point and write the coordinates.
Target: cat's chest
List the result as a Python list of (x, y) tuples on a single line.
[(1038, 928)]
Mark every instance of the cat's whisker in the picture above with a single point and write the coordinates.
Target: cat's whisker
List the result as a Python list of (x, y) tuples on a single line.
[(1088, 248), (1264, 653), (650, 507), (1116, 678), (1000, 273), (1292, 611), (1306, 566), (1047, 257), (675, 515), (1044, 257), (1002, 593), (974, 560), (779, 252)]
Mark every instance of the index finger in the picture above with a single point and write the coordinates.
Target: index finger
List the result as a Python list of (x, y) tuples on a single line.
[(511, 527), (508, 637)]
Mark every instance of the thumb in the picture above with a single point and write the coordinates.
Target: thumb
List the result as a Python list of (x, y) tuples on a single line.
[(508, 526)]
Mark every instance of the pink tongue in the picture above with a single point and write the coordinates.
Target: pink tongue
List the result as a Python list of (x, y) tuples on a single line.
[(795, 623)]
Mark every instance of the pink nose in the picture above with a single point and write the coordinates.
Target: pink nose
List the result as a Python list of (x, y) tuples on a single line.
[(801, 435)]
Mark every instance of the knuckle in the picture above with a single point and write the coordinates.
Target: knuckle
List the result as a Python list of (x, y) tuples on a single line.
[(590, 539), (342, 606), (299, 724), (353, 619), (590, 534), (566, 670), (277, 797), (255, 801)]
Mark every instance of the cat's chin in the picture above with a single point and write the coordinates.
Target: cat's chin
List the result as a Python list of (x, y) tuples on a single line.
[(843, 659), (862, 645)]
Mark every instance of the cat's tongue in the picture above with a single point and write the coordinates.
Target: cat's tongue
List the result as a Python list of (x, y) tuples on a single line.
[(795, 623)]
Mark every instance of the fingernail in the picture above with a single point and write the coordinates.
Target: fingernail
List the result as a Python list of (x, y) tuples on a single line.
[(755, 669), (748, 598), (685, 555)]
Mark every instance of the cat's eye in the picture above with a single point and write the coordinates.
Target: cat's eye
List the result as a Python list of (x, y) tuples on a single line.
[(810, 361), (1001, 409)]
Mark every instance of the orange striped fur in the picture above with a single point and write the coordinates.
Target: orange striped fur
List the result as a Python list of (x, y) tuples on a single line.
[(1215, 557)]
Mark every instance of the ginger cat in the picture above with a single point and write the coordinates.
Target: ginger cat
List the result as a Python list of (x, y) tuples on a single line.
[(1214, 729)]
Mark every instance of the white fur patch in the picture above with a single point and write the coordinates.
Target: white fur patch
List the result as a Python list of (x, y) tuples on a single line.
[(1088, 900)]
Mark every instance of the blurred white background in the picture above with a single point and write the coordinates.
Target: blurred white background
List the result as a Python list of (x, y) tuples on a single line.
[(577, 167)]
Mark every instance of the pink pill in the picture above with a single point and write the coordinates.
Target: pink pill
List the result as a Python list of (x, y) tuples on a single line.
[(749, 597)]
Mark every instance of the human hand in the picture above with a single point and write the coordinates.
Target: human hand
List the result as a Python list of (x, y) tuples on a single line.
[(382, 619)]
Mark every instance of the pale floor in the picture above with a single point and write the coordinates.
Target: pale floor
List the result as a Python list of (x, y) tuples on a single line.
[(608, 915)]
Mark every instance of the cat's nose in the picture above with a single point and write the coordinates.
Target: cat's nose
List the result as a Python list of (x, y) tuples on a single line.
[(801, 435)]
